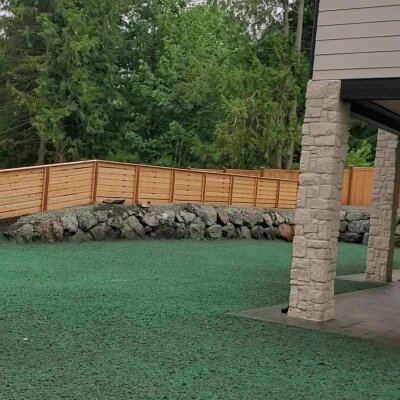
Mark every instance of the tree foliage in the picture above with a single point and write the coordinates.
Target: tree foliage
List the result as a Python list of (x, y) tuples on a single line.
[(217, 83)]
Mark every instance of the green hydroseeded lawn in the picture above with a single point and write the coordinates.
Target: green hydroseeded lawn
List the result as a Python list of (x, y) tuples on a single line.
[(149, 320)]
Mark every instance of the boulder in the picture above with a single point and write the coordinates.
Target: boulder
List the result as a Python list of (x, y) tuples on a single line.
[(87, 220), (358, 226), (103, 231), (115, 222), (167, 218), (351, 237), (243, 232), (187, 217), (343, 226), (229, 231), (114, 201), (181, 231), (257, 232), (365, 239), (150, 219), (270, 233), (143, 203), (208, 214), (251, 217), (132, 229), (50, 231), (101, 216), (163, 231), (21, 233), (213, 232), (278, 218), (148, 229), (342, 215), (196, 229), (222, 216), (356, 215), (268, 220), (235, 216), (69, 223), (285, 232), (80, 236)]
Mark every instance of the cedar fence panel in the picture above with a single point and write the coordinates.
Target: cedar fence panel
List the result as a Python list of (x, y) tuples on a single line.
[(35, 189)]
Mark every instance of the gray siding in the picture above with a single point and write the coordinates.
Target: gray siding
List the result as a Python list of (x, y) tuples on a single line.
[(358, 39)]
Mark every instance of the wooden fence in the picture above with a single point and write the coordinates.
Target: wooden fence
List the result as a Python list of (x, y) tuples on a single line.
[(35, 189), (357, 182)]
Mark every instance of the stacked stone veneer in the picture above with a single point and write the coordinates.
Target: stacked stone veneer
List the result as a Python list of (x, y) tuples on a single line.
[(385, 200), (317, 217)]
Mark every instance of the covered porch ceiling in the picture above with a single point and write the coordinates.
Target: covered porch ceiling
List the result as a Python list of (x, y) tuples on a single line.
[(375, 100)]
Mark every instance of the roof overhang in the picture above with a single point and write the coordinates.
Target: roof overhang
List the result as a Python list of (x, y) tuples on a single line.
[(374, 100)]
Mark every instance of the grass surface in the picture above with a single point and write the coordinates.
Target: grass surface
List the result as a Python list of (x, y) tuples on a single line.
[(148, 320)]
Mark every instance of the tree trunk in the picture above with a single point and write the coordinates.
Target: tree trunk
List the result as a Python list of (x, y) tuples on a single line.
[(300, 23), (41, 153), (286, 25)]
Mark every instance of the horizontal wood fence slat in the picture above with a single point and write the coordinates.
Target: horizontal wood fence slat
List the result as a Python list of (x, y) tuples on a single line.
[(34, 189)]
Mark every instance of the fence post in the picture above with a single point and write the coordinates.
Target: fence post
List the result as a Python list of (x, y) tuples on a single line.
[(349, 184), (231, 190), (256, 192), (95, 178), (203, 187), (45, 190), (172, 188), (278, 193), (136, 188)]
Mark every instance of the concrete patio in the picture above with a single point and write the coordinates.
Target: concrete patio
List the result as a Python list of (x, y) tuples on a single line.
[(372, 314)]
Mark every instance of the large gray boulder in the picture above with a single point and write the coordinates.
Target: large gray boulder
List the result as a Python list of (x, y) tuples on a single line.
[(343, 226), (251, 217), (103, 231), (222, 216), (132, 229), (116, 222), (21, 233), (150, 219), (268, 220), (80, 236), (257, 232), (207, 214), (87, 220), (229, 231), (351, 237), (243, 232), (235, 216), (356, 215), (181, 231), (358, 226), (167, 218), (196, 229), (163, 231), (213, 232), (186, 216), (69, 223), (270, 233)]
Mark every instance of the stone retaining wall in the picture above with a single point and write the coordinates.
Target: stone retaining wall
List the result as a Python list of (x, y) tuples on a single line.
[(192, 221)]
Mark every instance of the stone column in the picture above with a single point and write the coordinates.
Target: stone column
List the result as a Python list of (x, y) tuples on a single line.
[(317, 217), (385, 200)]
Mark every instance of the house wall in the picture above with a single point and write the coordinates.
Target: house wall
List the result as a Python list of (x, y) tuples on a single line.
[(357, 39)]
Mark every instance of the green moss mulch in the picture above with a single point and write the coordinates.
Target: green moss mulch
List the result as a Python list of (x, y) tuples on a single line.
[(149, 320)]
